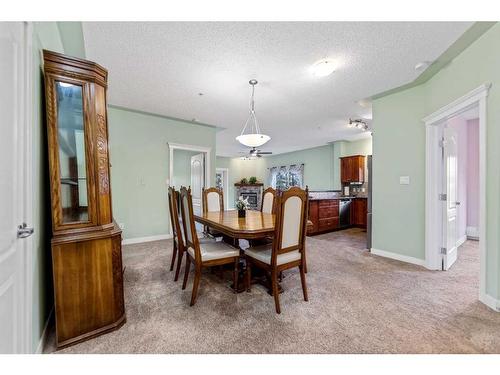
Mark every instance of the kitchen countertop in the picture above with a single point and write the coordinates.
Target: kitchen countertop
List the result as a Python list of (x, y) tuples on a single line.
[(337, 198)]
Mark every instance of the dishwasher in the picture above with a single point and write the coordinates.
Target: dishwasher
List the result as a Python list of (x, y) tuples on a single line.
[(345, 212)]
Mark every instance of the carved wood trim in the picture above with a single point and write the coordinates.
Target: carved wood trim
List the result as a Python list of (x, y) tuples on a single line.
[(102, 155)]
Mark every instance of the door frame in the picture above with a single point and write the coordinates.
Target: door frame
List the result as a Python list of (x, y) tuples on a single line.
[(434, 180), (28, 184), (226, 179), (179, 146)]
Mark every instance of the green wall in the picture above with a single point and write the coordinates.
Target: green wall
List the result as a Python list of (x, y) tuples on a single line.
[(318, 165), (45, 36), (72, 38), (399, 149), (139, 157)]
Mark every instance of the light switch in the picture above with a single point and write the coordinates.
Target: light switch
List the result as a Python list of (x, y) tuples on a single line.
[(404, 180)]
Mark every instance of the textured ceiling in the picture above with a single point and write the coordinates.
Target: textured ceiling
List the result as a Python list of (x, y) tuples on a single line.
[(162, 68)]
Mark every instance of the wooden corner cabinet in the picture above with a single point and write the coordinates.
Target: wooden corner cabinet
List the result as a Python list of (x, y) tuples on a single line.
[(352, 169), (86, 242)]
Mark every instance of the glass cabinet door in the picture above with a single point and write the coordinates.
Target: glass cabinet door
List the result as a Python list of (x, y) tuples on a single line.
[(71, 143)]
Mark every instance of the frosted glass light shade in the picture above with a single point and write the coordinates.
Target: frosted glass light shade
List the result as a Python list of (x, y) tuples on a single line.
[(323, 68), (253, 140)]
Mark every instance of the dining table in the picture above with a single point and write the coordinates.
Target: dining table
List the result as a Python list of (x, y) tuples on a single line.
[(256, 225)]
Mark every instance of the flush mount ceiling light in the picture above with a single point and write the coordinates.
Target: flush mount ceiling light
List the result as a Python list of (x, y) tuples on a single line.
[(254, 138), (323, 68), (358, 124)]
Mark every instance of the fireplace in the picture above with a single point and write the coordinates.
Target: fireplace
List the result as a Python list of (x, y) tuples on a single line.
[(252, 198), (251, 191)]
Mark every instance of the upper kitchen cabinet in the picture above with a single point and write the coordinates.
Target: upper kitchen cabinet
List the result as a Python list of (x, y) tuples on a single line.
[(352, 169)]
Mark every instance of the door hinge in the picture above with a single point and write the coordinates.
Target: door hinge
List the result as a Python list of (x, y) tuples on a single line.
[(443, 250), (443, 197)]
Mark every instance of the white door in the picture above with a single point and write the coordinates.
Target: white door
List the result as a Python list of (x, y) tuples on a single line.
[(14, 335), (450, 222), (197, 182)]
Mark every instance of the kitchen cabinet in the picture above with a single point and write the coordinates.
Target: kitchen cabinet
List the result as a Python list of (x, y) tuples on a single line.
[(324, 215), (352, 169), (359, 208)]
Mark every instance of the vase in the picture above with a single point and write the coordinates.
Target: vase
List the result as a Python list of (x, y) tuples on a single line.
[(242, 213)]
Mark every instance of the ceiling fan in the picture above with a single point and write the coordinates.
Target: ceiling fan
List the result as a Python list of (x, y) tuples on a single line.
[(254, 153)]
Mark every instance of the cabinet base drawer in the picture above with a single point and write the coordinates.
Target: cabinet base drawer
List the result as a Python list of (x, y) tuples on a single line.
[(328, 212), (330, 223)]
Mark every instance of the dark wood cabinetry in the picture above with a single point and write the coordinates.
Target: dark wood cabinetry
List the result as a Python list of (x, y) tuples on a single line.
[(86, 242), (324, 215), (359, 207), (352, 169)]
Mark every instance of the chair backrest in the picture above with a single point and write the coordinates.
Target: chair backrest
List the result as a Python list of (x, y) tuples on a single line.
[(268, 200), (291, 221), (212, 199), (190, 236), (177, 231)]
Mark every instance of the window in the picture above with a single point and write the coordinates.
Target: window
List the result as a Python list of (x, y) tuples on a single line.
[(283, 177)]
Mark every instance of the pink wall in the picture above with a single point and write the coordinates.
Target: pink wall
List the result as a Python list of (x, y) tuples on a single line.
[(473, 173)]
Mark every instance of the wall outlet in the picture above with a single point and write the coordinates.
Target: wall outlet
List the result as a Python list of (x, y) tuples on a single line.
[(121, 225), (404, 180)]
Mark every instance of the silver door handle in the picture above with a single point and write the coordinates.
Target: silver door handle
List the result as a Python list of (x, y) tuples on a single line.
[(457, 203), (23, 231)]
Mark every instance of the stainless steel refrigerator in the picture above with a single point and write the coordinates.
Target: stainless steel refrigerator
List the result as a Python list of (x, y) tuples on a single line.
[(369, 211)]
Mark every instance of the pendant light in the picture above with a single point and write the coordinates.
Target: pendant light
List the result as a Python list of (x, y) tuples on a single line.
[(254, 138)]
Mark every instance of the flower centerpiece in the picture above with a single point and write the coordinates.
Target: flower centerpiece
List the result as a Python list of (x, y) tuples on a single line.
[(242, 206)]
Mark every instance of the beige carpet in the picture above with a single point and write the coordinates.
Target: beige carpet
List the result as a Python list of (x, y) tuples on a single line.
[(358, 303)]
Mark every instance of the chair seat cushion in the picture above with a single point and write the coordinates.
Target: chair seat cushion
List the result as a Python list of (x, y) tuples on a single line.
[(263, 253), (211, 250)]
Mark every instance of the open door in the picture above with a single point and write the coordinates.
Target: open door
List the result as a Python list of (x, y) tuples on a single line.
[(450, 230), (197, 182), (14, 194)]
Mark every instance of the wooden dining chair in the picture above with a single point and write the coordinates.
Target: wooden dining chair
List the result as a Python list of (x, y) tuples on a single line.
[(178, 242), (212, 199), (268, 200), (206, 254), (287, 249)]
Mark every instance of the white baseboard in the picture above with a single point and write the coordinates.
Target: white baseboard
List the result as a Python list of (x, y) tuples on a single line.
[(158, 237), (45, 333), (396, 256), (491, 302), (461, 240), (472, 233)]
